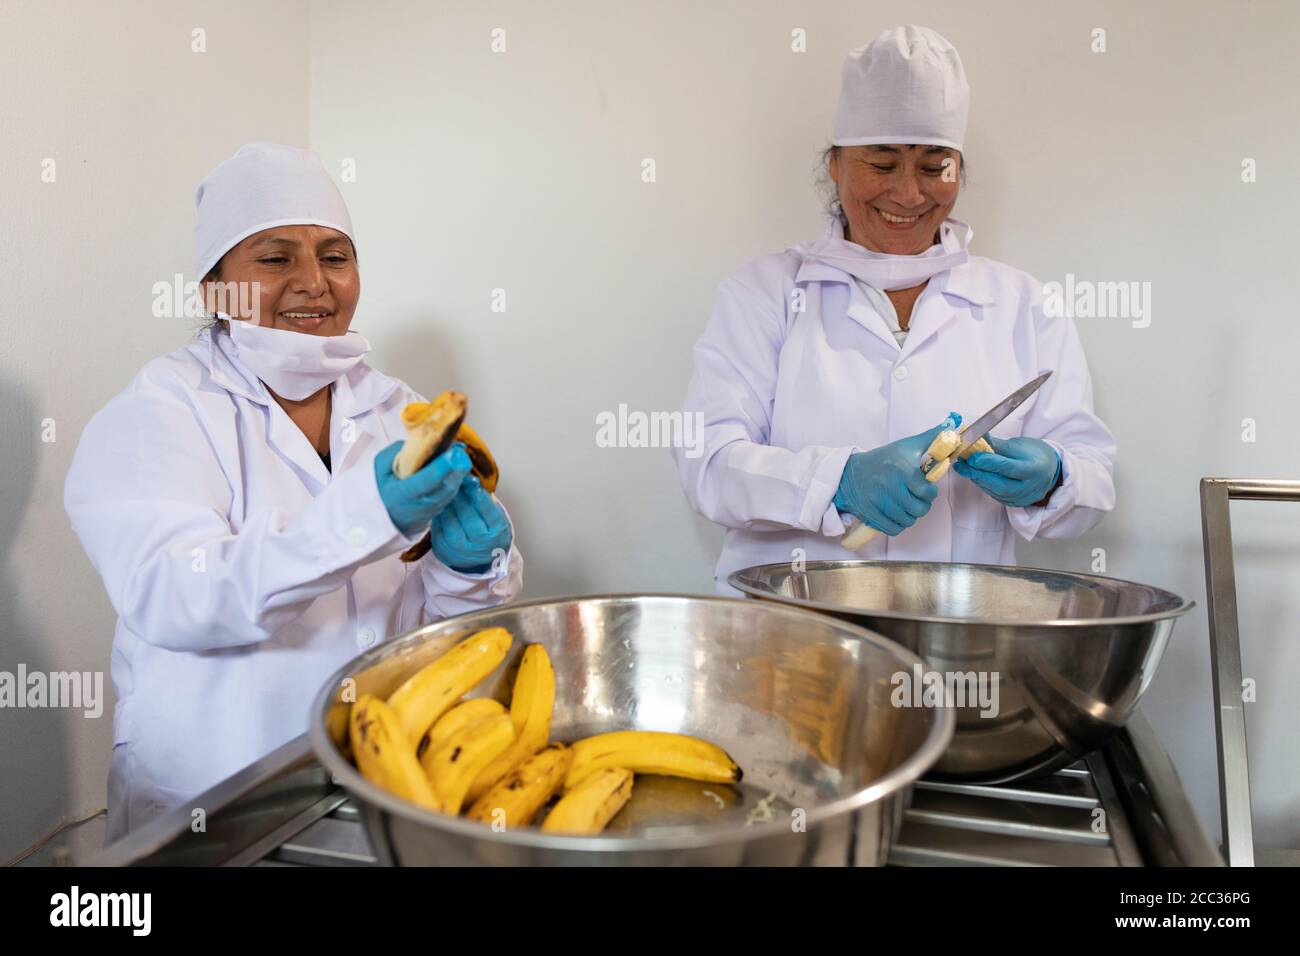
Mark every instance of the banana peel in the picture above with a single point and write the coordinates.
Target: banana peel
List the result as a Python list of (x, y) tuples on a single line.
[(431, 428)]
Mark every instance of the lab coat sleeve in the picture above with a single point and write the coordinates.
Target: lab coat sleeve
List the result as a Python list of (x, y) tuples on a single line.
[(448, 592), (148, 499), (733, 476), (1063, 416)]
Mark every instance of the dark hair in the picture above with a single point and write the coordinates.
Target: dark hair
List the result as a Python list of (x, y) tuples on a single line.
[(830, 193), (214, 275)]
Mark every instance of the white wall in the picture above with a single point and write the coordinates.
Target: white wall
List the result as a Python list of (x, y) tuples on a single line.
[(133, 119), (521, 171)]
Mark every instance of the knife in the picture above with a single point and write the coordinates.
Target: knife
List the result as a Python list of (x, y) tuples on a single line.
[(857, 534)]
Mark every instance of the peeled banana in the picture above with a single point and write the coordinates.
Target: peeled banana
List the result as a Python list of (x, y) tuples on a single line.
[(588, 807), (456, 720), (515, 799), (430, 430), (531, 704), (646, 751), (460, 758), (434, 689), (384, 755), (980, 445), (431, 427), (940, 452)]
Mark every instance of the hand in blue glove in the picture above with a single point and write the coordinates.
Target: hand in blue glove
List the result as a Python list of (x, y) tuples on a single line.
[(884, 487), (1020, 472), (414, 501), (467, 535)]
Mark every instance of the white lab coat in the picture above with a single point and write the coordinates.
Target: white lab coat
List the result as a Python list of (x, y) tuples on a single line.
[(786, 396), (242, 572)]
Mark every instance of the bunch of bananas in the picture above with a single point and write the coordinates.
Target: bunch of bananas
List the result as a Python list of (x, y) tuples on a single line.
[(497, 765)]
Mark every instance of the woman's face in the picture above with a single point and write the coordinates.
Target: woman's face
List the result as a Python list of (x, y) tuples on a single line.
[(895, 197), (307, 279)]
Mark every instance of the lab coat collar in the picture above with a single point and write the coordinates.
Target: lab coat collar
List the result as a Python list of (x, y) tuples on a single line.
[(969, 281), (356, 392)]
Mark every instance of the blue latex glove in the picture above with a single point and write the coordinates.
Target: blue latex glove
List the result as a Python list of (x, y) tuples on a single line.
[(1019, 473), (414, 501), (884, 487), (467, 535)]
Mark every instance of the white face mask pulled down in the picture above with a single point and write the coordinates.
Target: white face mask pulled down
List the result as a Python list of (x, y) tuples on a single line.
[(296, 365), (886, 272)]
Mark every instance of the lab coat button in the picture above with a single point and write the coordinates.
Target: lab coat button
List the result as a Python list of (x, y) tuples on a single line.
[(900, 373), (357, 537), (366, 638)]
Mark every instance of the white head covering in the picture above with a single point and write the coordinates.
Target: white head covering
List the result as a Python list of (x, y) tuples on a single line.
[(906, 86), (261, 186)]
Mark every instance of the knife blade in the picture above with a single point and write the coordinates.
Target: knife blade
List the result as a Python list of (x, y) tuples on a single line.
[(994, 416)]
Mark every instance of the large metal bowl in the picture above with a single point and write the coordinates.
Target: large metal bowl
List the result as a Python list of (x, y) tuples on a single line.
[(1069, 655), (800, 700)]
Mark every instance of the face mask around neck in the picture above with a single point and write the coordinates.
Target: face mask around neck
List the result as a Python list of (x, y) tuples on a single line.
[(887, 272), (296, 365)]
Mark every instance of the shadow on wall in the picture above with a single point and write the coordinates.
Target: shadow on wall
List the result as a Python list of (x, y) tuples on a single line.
[(35, 749)]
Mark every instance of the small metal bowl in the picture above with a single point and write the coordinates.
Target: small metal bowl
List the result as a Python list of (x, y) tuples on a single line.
[(1059, 660), (800, 700)]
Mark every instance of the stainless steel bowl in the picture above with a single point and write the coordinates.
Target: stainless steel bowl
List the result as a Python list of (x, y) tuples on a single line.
[(1068, 655), (800, 700)]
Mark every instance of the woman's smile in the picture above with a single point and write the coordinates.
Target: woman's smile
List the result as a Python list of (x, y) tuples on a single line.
[(305, 320), (896, 222)]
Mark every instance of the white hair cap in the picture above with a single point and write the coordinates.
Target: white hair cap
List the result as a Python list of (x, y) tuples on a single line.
[(906, 86), (262, 186)]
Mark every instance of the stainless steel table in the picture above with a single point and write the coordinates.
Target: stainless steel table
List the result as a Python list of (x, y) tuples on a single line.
[(1122, 806)]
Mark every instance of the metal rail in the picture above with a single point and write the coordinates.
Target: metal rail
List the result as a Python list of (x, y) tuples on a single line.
[(1225, 652)]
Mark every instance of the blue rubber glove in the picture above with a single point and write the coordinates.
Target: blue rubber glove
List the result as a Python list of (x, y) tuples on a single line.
[(414, 501), (1020, 472), (884, 487), (468, 534)]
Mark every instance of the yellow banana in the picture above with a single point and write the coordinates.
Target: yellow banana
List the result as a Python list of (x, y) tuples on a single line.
[(531, 704), (941, 449), (534, 692), (384, 755), (434, 689), (516, 797), (480, 458), (453, 766), (980, 445), (456, 720), (589, 806), (430, 429), (646, 751)]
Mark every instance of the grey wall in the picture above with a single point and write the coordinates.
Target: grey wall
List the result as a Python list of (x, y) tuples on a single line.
[(522, 171)]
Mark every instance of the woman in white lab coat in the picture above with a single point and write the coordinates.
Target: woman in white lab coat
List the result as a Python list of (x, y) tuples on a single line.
[(238, 499), (826, 369)]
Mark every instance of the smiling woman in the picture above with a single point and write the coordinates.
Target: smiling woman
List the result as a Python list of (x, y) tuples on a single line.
[(824, 368), (323, 297), (240, 502), (894, 198), (300, 279)]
